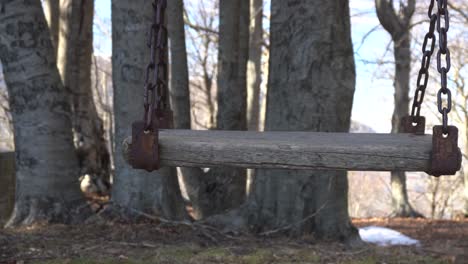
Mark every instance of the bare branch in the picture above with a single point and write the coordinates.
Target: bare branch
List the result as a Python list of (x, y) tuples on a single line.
[(462, 11)]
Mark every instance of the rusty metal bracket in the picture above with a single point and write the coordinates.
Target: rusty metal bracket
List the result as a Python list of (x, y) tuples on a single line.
[(144, 151), (446, 157), (413, 125)]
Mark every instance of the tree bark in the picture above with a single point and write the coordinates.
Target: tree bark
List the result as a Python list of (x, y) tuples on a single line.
[(465, 183), (180, 101), (400, 202), (254, 66), (243, 57), (311, 88), (465, 194), (226, 187), (7, 186), (398, 26), (52, 13), (74, 62), (156, 192), (180, 93), (231, 94), (46, 164), (221, 189)]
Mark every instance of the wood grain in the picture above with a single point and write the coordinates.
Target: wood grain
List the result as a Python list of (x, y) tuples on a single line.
[(293, 150)]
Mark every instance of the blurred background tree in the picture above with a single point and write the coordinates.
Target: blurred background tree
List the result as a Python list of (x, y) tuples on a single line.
[(220, 64)]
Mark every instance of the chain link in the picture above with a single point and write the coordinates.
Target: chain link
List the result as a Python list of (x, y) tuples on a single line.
[(155, 86), (443, 25), (423, 75), (438, 20)]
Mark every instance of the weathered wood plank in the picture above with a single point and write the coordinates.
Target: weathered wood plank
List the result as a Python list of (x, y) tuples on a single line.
[(7, 185), (294, 150)]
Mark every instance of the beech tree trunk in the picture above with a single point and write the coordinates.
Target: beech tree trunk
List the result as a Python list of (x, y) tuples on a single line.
[(180, 101), (46, 163), (254, 66), (179, 89), (226, 187), (219, 189), (398, 26), (74, 62), (465, 194), (400, 202), (311, 88), (52, 13), (7, 186), (156, 192), (243, 57), (465, 183)]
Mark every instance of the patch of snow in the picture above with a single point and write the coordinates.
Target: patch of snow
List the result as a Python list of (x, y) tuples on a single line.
[(385, 237)]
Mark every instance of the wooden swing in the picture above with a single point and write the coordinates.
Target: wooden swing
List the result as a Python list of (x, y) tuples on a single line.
[(437, 154)]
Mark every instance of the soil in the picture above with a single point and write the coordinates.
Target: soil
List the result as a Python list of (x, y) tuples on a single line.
[(442, 242)]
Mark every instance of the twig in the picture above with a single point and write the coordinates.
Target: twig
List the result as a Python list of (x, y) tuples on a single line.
[(161, 219), (366, 36), (193, 226), (290, 226), (144, 244), (334, 253), (459, 10)]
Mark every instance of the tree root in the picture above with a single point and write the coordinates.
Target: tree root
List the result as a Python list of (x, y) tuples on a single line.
[(406, 212), (236, 222), (34, 210), (120, 214)]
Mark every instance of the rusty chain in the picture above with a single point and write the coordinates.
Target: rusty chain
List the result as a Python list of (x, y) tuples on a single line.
[(144, 153), (423, 75), (445, 155), (442, 29), (438, 20), (156, 71)]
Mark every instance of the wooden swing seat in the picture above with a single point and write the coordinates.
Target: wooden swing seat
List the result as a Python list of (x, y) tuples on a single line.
[(293, 150)]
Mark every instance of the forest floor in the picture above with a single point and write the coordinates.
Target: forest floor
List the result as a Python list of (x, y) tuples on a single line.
[(441, 242)]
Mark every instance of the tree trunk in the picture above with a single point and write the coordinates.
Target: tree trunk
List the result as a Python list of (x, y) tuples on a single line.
[(180, 99), (156, 192), (7, 186), (398, 26), (311, 88), (243, 57), (226, 187), (465, 194), (231, 95), (299, 201), (74, 63), (465, 185), (46, 163), (52, 13), (254, 66), (254, 73), (221, 189), (402, 53), (180, 93)]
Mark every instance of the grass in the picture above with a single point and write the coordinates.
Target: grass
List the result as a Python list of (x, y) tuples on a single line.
[(194, 255), (442, 242)]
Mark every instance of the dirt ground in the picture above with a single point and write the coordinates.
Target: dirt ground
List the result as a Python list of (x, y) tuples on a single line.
[(442, 242)]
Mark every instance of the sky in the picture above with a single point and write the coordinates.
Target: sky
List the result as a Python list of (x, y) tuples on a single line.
[(373, 101)]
